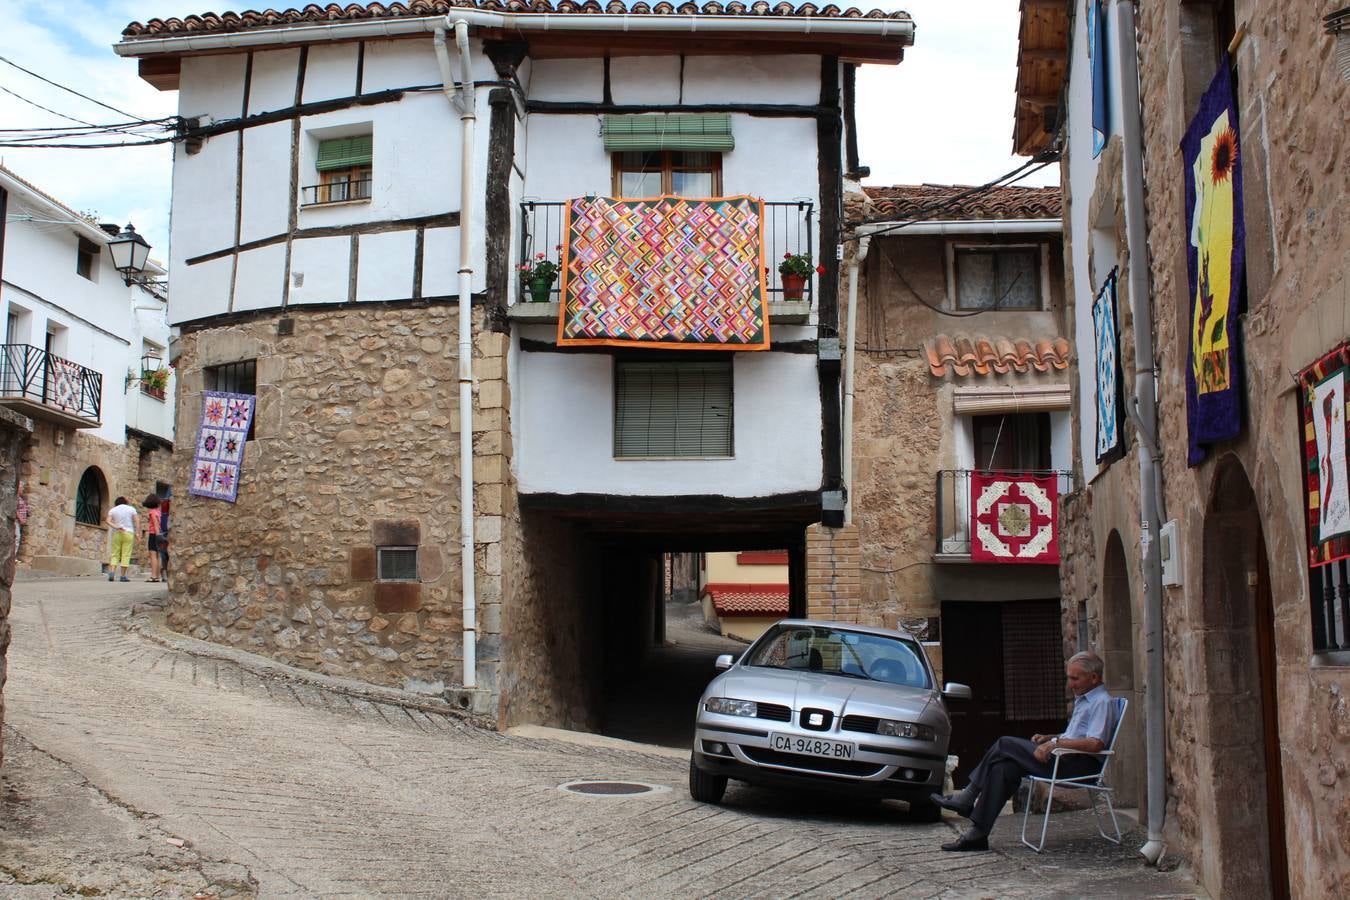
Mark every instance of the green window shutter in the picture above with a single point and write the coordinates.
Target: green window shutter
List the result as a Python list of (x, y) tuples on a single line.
[(344, 153), (673, 409), (709, 132)]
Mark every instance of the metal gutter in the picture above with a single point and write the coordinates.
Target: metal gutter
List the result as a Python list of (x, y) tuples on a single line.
[(962, 226)]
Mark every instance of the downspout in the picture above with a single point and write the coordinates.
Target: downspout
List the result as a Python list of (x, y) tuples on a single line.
[(1145, 417), (463, 101), (858, 258)]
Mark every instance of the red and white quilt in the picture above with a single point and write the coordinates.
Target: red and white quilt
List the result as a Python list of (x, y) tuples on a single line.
[(1014, 518)]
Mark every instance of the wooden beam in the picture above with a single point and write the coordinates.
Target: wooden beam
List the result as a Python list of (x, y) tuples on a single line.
[(160, 71)]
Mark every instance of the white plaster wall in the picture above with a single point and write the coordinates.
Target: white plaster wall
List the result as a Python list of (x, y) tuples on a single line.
[(411, 62), (267, 182), (566, 79), (752, 79), (262, 273), (211, 85), (200, 290), (325, 265), (440, 262), (202, 217), (568, 448), (274, 80), (645, 79), (330, 71), (385, 266)]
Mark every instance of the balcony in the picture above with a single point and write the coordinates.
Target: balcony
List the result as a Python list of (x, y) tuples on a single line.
[(952, 509), (40, 384), (332, 192), (788, 228)]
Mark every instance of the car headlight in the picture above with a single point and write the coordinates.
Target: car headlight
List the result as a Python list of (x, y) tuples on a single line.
[(729, 707), (905, 730)]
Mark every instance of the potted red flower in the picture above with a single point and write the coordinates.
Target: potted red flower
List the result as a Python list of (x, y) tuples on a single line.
[(539, 275), (794, 271)]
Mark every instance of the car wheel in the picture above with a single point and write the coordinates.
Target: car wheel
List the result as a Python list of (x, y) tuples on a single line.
[(705, 788), (921, 809)]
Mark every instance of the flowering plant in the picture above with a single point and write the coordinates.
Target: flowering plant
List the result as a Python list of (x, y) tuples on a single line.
[(798, 264), (540, 268), (156, 379)]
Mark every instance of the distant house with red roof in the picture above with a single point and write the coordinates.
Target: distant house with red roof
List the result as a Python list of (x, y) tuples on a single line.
[(744, 593)]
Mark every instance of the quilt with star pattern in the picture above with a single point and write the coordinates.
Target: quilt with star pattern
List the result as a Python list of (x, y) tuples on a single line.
[(219, 454)]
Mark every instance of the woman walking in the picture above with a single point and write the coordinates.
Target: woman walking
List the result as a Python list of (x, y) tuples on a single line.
[(152, 535)]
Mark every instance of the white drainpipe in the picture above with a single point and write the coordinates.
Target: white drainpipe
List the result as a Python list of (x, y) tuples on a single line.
[(464, 102), (1145, 417), (858, 258)]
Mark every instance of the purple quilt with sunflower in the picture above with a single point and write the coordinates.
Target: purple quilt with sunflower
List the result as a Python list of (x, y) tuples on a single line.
[(220, 444)]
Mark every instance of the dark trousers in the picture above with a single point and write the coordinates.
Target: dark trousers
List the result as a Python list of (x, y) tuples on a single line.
[(1004, 765)]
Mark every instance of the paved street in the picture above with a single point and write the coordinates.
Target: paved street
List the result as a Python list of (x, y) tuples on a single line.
[(317, 793)]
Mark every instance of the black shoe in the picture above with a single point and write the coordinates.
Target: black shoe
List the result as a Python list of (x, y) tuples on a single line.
[(955, 805), (968, 841)]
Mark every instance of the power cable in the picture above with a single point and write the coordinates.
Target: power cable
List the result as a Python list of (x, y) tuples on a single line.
[(120, 112)]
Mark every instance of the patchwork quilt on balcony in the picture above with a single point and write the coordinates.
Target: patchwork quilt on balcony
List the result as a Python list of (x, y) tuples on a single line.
[(1013, 518), (667, 272), (220, 444)]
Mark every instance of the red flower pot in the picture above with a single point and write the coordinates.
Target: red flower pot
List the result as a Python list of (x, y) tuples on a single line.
[(793, 285)]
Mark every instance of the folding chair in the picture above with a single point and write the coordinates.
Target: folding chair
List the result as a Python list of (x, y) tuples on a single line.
[(1094, 784)]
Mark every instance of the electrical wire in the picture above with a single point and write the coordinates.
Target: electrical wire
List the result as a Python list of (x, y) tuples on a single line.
[(45, 109), (120, 112)]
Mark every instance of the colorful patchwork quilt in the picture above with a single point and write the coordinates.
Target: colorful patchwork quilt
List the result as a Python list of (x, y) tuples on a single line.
[(664, 272), (1325, 397), (220, 444), (1014, 518)]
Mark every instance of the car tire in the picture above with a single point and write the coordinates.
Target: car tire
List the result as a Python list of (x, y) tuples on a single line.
[(921, 809), (704, 787)]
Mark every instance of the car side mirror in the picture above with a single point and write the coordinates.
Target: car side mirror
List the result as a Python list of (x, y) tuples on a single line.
[(955, 691), (726, 659)]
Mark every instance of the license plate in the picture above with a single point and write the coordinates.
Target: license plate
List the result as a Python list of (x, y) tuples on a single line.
[(791, 743)]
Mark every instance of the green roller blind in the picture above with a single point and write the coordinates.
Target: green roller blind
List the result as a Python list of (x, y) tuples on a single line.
[(679, 409), (677, 131), (343, 153)]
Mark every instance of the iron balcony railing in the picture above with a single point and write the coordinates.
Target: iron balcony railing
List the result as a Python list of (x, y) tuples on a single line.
[(788, 228), (1329, 591), (952, 511), (334, 192), (31, 374)]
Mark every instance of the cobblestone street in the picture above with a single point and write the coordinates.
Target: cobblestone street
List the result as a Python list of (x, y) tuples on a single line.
[(315, 792)]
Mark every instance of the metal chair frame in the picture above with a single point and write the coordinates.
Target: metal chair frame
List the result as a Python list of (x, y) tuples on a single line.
[(1094, 784)]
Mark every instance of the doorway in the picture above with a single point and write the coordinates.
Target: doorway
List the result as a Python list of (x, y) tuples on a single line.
[(1240, 700), (1119, 626)]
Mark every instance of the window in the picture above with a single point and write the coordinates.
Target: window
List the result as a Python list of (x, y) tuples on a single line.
[(684, 173), (86, 259), (1012, 442), (397, 563), (345, 166), (988, 277), (89, 498), (234, 378), (672, 409)]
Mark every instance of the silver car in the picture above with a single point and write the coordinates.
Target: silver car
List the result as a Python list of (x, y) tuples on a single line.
[(826, 706)]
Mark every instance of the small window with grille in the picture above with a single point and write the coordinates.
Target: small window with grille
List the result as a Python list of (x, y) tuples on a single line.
[(397, 563), (234, 378), (672, 409), (988, 277)]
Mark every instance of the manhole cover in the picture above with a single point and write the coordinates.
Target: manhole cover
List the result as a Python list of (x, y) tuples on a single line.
[(609, 788)]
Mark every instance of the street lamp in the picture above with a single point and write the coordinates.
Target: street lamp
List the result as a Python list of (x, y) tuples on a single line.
[(129, 254)]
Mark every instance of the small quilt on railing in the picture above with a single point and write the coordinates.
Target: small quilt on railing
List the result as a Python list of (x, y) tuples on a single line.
[(220, 444), (667, 272), (65, 384), (1014, 518)]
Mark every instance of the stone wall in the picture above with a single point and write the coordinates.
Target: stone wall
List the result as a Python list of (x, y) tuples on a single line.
[(14, 431), (55, 457), (1294, 153), (356, 443)]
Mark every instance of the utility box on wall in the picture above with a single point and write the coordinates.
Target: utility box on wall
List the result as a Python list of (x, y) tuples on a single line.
[(1169, 548)]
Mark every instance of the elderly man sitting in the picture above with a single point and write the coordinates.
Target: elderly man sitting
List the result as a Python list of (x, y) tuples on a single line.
[(1010, 758)]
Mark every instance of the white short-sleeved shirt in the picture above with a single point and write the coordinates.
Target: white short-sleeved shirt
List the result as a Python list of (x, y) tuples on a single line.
[(1092, 716), (123, 517)]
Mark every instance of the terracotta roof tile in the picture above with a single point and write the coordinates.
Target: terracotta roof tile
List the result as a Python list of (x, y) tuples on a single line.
[(904, 201), (314, 13), (979, 355), (748, 599)]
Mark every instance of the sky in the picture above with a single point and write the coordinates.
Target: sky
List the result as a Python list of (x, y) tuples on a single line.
[(943, 116)]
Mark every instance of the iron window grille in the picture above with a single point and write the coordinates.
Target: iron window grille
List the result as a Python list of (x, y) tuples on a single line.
[(235, 378), (1329, 593), (397, 563), (89, 498), (673, 409)]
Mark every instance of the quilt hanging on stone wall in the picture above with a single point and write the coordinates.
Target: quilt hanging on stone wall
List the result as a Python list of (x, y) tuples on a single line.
[(667, 272), (1215, 256), (1325, 435), (220, 444), (1110, 444), (1014, 518)]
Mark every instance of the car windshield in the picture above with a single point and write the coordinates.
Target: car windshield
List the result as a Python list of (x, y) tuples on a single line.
[(836, 651)]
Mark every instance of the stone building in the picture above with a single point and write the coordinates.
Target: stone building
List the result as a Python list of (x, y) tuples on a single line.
[(1193, 557), (961, 366), (86, 357), (367, 173)]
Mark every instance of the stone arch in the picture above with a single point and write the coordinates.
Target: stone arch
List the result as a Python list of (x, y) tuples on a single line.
[(91, 497), (1235, 697), (1119, 628)]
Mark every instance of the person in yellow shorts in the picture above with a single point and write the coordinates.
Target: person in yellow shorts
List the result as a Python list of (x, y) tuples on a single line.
[(125, 522)]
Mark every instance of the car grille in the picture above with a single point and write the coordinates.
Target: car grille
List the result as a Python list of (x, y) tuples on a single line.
[(865, 724), (812, 763), (774, 711)]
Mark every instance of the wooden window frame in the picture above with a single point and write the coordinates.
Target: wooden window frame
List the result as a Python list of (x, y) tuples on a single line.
[(1042, 252), (668, 170)]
